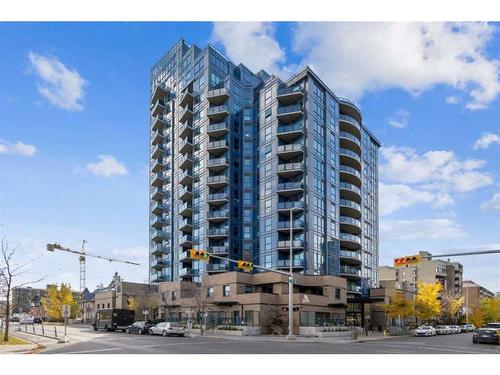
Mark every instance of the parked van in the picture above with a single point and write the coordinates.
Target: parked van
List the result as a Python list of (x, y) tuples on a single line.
[(113, 319)]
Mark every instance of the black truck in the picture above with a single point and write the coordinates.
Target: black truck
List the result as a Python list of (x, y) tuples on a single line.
[(113, 319)]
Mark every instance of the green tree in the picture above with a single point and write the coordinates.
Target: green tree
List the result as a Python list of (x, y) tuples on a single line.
[(400, 307), (427, 305)]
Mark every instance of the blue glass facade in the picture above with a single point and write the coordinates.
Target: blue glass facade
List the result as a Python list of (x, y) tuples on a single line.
[(250, 167)]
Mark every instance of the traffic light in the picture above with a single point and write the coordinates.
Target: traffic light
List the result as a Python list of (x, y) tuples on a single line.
[(53, 246), (408, 260), (199, 254), (244, 265)]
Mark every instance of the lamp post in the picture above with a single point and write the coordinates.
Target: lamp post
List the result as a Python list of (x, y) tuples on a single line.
[(290, 335)]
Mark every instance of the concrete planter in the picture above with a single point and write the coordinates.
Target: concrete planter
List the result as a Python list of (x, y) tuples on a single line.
[(242, 331), (324, 331)]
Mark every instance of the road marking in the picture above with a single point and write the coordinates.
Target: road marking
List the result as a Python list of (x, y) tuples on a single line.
[(94, 350)]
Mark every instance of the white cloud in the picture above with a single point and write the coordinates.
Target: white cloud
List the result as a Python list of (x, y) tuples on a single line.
[(433, 169), (399, 119), (452, 99), (424, 229), (493, 203), (251, 43), (107, 166), (62, 87), (17, 148), (354, 58), (486, 140)]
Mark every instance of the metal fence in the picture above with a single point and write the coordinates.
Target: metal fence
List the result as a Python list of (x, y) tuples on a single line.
[(51, 331)]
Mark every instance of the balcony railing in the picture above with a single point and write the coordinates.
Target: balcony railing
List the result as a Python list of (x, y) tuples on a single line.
[(351, 170), (290, 204), (218, 128), (217, 144), (291, 186), (218, 96), (218, 249), (349, 237), (294, 147), (211, 267), (350, 271), (350, 221), (295, 224), (350, 120), (295, 243), (350, 136), (290, 90), (352, 154), (218, 197), (218, 232), (299, 263), (347, 186), (350, 254), (217, 162), (186, 272), (349, 203), (290, 109), (217, 113), (295, 127), (218, 214), (217, 179)]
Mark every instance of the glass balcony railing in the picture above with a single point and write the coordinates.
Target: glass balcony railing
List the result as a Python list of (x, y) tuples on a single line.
[(218, 197), (217, 144), (295, 263), (351, 170), (298, 126), (218, 214), (350, 119), (295, 243), (218, 232), (291, 148), (290, 186), (295, 224), (217, 267), (347, 186), (352, 154), (349, 237), (350, 221), (218, 249), (349, 136), (290, 167), (186, 272), (350, 254), (217, 161), (290, 204), (290, 90), (350, 271), (217, 109), (218, 127), (289, 109), (349, 203), (217, 179)]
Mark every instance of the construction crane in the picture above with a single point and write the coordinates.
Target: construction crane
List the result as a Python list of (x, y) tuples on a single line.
[(82, 257)]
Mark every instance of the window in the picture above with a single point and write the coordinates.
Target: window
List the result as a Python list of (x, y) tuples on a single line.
[(337, 293), (109, 305), (210, 292), (174, 295), (268, 112), (98, 306), (248, 289), (226, 290)]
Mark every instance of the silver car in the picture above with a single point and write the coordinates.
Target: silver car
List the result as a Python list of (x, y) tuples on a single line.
[(425, 331), (443, 330), (455, 329), (168, 329)]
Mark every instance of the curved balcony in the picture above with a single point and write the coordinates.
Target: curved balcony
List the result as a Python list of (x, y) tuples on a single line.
[(186, 178), (186, 240), (349, 108), (186, 98), (296, 245), (217, 181), (186, 130), (350, 208), (350, 272), (159, 123), (290, 95), (218, 199), (297, 226), (218, 96), (294, 205), (158, 208), (185, 193), (290, 113), (218, 129), (218, 147), (290, 151), (350, 175), (350, 142), (186, 114), (186, 225), (158, 92), (352, 258), (290, 132), (217, 164), (350, 224), (158, 108), (290, 188), (349, 241), (186, 146), (350, 191), (297, 264), (218, 233), (350, 125), (217, 216), (186, 161), (219, 250), (186, 209), (288, 170), (160, 250), (350, 158), (159, 235), (218, 113)]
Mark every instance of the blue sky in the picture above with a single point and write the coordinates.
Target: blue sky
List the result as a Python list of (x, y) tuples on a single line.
[(74, 130)]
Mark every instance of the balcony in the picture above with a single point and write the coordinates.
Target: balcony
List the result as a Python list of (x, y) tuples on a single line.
[(186, 209), (294, 205), (218, 96), (350, 191), (186, 178), (290, 132), (218, 129), (186, 225), (297, 226), (217, 164), (349, 108), (159, 264), (159, 235), (158, 194), (158, 179), (350, 208), (218, 147), (290, 113), (350, 257), (160, 250), (290, 95), (219, 250), (185, 256), (350, 175), (158, 151), (218, 113), (186, 161), (185, 193), (157, 137), (218, 267), (353, 288), (186, 273), (186, 130), (296, 245), (288, 170), (350, 272), (186, 146), (217, 216), (351, 125), (158, 92), (350, 158), (350, 141), (290, 151), (186, 114), (159, 123), (186, 98), (159, 221), (350, 224), (290, 188), (296, 264), (158, 108), (158, 208), (159, 278), (218, 233), (217, 181), (186, 240), (350, 241), (157, 165), (217, 199)]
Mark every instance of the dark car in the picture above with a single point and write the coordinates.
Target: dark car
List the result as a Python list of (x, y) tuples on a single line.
[(140, 327), (37, 320), (486, 335), (14, 319)]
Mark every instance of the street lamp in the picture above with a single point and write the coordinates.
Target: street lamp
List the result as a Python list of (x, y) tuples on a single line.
[(290, 335)]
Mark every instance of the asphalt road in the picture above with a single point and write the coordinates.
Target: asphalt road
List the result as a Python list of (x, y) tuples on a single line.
[(121, 343)]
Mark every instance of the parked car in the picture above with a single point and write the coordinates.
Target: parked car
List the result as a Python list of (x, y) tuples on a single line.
[(37, 320), (425, 331), (455, 329), (14, 319), (486, 335), (167, 329), (26, 320), (443, 330), (493, 325), (468, 328), (140, 327)]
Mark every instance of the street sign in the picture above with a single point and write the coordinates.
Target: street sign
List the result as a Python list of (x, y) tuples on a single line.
[(66, 311)]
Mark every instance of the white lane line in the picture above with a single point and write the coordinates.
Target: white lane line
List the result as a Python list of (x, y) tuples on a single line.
[(93, 350)]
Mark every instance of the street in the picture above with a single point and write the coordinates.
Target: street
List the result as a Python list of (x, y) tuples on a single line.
[(86, 341)]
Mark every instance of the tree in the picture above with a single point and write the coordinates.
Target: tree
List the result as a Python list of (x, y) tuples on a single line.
[(477, 316), (450, 305), (56, 298), (11, 272), (400, 307), (199, 292), (427, 304), (491, 309)]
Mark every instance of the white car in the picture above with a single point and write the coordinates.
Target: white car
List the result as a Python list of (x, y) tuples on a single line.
[(168, 329), (27, 320), (425, 331), (443, 330), (455, 329)]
